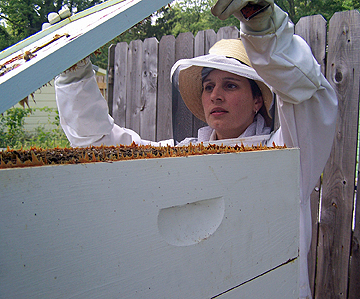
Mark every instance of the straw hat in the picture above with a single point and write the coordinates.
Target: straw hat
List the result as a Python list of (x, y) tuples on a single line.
[(187, 74)]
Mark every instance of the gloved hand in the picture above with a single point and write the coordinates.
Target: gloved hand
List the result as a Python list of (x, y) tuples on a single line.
[(54, 17), (81, 70), (256, 16), (225, 8)]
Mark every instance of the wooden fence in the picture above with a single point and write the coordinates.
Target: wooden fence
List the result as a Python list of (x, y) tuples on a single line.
[(142, 98)]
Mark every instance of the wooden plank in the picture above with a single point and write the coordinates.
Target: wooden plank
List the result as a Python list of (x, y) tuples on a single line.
[(227, 33), (110, 78), (354, 279), (149, 89), (164, 128), (151, 228), (313, 30), (210, 39), (199, 44), (120, 83), (133, 85), (343, 72), (199, 49), (86, 35), (182, 117), (312, 254)]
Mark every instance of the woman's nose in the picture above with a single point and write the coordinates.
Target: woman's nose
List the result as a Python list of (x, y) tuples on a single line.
[(217, 95)]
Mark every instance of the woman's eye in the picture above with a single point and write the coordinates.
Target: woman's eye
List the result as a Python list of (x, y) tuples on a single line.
[(208, 87), (231, 86)]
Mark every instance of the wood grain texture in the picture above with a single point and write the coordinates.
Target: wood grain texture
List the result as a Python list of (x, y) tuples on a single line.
[(313, 30), (210, 39), (149, 87), (227, 33), (199, 44), (120, 83), (164, 129), (182, 117), (200, 48), (134, 102), (354, 279), (110, 77), (343, 72), (93, 230)]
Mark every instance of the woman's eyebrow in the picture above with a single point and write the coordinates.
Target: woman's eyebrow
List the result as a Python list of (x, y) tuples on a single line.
[(233, 78), (225, 78)]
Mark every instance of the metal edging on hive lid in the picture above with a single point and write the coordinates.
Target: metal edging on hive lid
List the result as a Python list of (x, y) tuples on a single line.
[(60, 46)]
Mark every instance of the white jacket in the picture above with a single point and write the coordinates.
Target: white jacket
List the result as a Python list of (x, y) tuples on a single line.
[(306, 103)]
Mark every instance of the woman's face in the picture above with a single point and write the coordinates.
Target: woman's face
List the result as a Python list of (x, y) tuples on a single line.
[(228, 103)]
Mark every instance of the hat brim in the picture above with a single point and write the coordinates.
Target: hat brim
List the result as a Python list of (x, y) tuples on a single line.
[(190, 80)]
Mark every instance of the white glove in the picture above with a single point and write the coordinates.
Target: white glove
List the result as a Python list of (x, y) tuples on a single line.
[(225, 8), (54, 17), (81, 70), (256, 16)]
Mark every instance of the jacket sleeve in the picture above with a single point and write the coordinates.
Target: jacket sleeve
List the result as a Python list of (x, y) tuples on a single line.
[(84, 113), (306, 103)]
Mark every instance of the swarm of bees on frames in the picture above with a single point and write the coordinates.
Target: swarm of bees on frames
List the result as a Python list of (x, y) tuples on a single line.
[(38, 157)]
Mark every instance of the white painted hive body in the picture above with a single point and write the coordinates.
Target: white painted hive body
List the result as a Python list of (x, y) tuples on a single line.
[(189, 227)]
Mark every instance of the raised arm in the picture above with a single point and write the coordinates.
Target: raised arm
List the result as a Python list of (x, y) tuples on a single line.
[(84, 113)]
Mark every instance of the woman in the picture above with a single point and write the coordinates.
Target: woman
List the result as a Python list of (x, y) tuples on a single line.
[(231, 89), (223, 90)]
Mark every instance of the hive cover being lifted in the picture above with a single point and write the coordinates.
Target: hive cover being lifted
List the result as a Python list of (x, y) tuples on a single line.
[(60, 46)]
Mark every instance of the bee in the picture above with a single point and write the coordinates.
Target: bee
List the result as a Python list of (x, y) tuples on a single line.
[(28, 55)]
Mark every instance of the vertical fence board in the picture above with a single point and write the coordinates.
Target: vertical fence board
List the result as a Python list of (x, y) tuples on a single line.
[(227, 33), (339, 174), (354, 279), (354, 283), (110, 78), (133, 94), (210, 39), (199, 44), (164, 101), (199, 49), (120, 84), (149, 89), (313, 30), (182, 117)]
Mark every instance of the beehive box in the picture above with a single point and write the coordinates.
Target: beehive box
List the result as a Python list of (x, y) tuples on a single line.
[(206, 226)]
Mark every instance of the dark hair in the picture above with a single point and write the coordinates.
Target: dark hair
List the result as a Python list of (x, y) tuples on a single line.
[(256, 92)]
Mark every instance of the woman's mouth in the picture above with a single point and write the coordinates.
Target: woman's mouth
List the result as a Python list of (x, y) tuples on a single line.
[(218, 111)]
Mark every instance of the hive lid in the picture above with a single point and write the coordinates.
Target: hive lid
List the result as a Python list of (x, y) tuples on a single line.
[(62, 45)]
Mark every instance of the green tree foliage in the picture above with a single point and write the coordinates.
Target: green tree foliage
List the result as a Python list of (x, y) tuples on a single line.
[(300, 8)]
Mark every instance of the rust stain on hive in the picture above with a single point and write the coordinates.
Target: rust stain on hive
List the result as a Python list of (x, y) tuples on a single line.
[(56, 156)]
